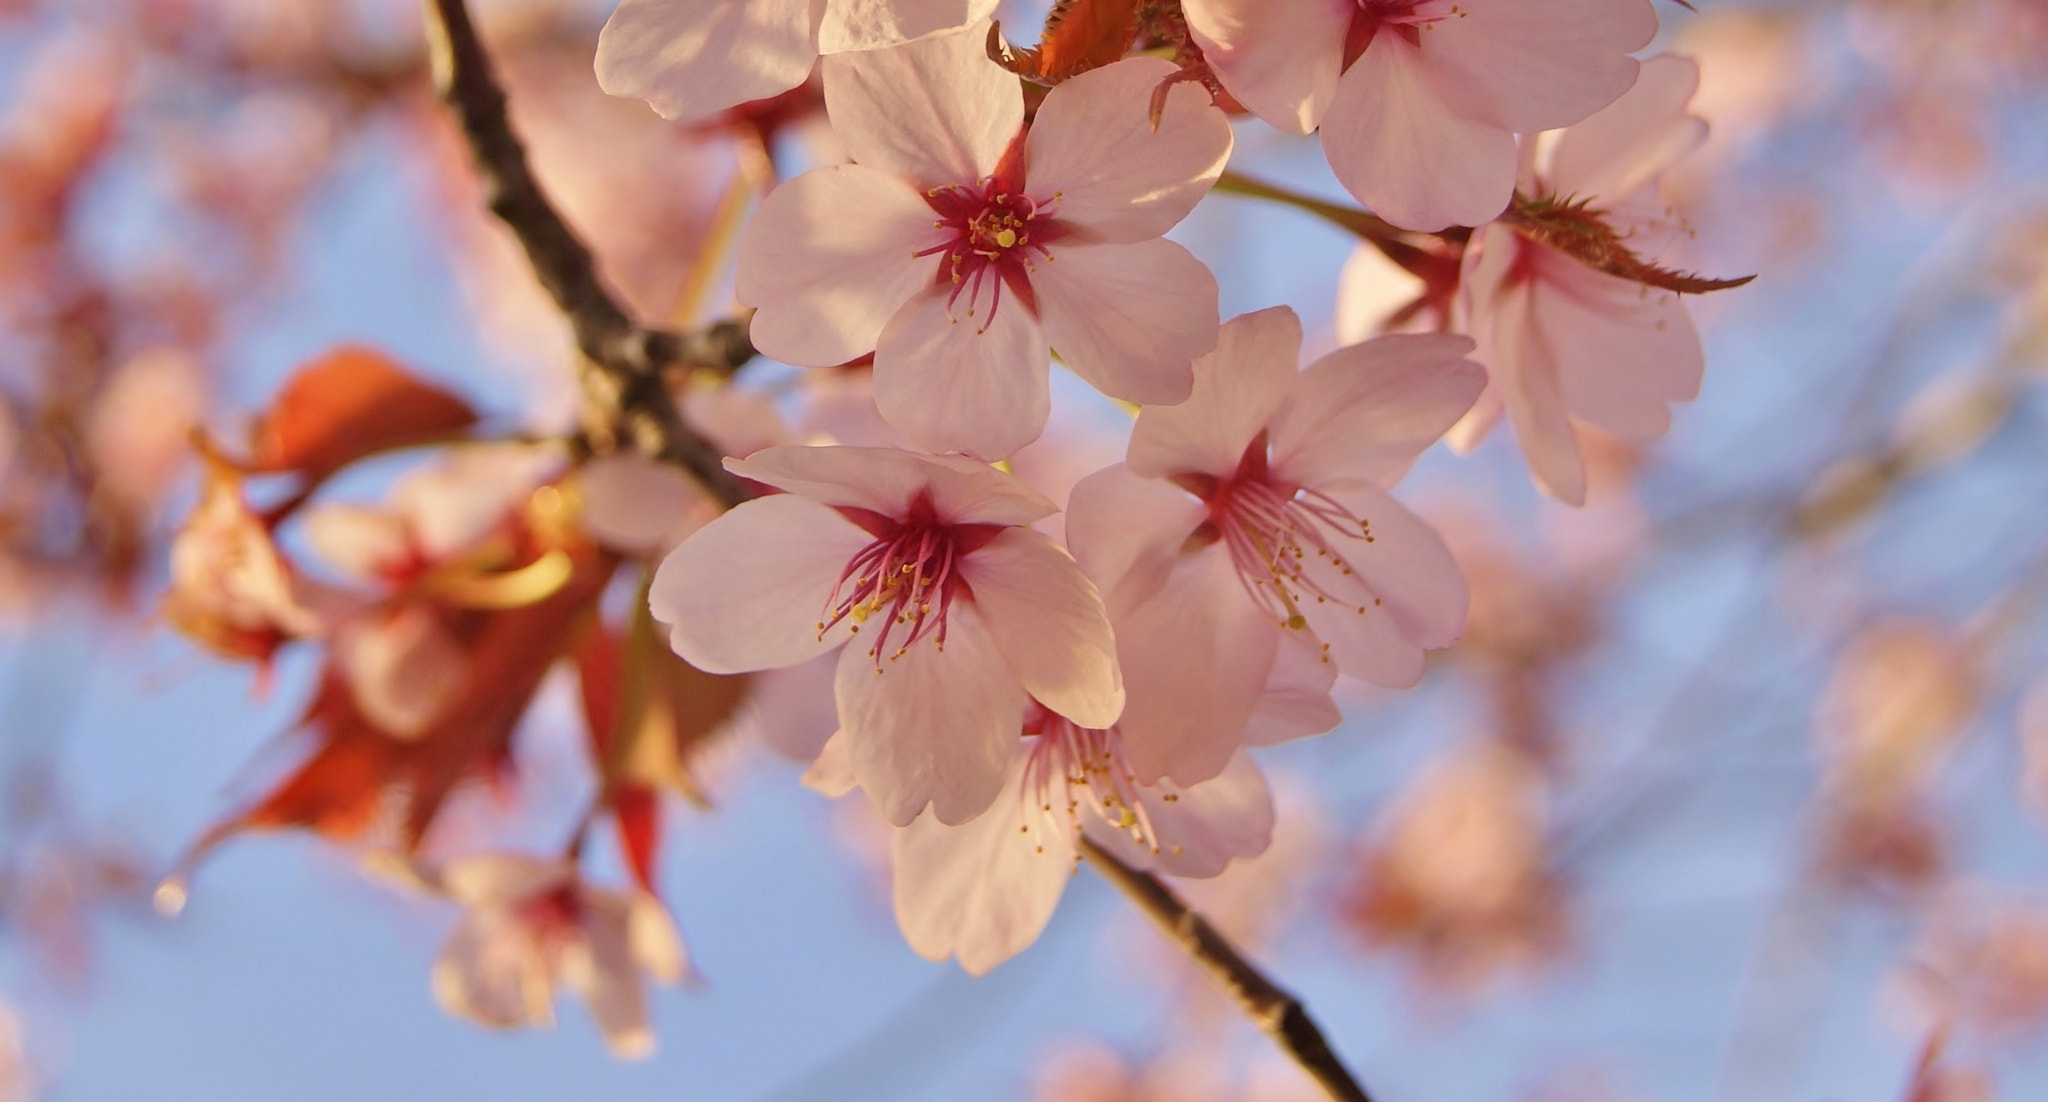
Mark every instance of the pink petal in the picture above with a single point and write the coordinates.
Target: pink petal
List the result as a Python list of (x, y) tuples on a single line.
[(653, 940), (1520, 366), (1365, 411), (1626, 144), (984, 890), (1127, 532), (1237, 388), (968, 491), (459, 501), (402, 668), (931, 727), (1410, 588), (877, 24), (1476, 424), (1529, 65), (1624, 351), (1118, 179), (1194, 658), (828, 260), (601, 970), (357, 540), (1396, 145), (832, 774), (1295, 702), (748, 590), (1129, 319), (791, 710), (1524, 365), (1280, 58), (1048, 623), (881, 480), (1370, 290), (938, 111), (886, 480), (948, 384), (492, 972), (692, 58), (636, 505), (486, 879), (1202, 827)]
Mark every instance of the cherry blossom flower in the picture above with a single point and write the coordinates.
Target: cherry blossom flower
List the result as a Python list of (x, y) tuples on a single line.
[(1419, 101), (401, 661), (959, 249), (532, 925), (1460, 875), (984, 890), (955, 611), (693, 58), (1255, 515), (1564, 343)]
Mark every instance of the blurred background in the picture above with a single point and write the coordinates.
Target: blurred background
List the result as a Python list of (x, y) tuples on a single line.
[(1737, 788)]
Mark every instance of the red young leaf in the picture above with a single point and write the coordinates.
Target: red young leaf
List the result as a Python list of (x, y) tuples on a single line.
[(347, 404), (360, 777), (1079, 35)]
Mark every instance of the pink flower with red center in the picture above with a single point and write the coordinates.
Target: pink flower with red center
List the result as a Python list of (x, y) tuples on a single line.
[(984, 890), (961, 249), (532, 925), (1419, 101), (949, 610), (1565, 344), (1253, 520), (693, 58)]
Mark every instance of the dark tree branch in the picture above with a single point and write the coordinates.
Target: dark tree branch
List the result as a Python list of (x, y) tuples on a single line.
[(625, 360), (1269, 1006)]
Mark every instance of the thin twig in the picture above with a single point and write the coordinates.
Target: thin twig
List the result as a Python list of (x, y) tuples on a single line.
[(1272, 1008), (626, 360)]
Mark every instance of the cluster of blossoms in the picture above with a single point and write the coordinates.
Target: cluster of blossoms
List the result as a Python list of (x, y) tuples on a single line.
[(1023, 663), (998, 695)]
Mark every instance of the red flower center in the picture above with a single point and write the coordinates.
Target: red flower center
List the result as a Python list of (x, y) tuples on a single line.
[(1072, 768), (995, 237), (1407, 18), (1271, 528), (901, 585)]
